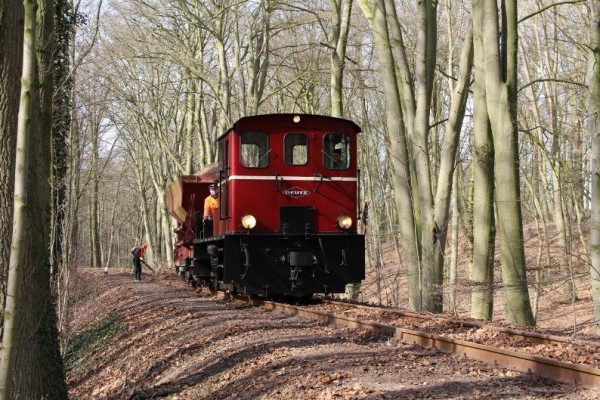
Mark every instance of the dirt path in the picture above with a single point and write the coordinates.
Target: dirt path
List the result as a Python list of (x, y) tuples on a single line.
[(159, 339)]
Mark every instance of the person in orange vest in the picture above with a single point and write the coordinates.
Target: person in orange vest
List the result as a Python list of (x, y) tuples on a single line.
[(138, 253), (211, 209), (211, 203)]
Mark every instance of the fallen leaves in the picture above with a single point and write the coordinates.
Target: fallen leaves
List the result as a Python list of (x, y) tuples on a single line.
[(182, 344)]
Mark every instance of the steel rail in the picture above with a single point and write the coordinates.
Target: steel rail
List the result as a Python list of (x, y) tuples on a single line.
[(533, 337), (557, 370)]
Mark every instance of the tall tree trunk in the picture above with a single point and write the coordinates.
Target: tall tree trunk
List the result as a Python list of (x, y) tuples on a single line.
[(190, 127), (13, 310), (60, 131), (259, 54), (594, 129), (31, 366), (340, 26), (398, 148), (108, 259), (441, 204), (453, 265), (481, 274), (224, 84), (501, 98), (94, 200), (408, 113), (11, 48), (425, 61)]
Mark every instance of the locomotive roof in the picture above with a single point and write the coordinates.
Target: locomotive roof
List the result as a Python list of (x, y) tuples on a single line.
[(306, 120)]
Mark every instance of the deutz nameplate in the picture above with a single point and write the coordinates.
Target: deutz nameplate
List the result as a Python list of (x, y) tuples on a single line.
[(295, 192)]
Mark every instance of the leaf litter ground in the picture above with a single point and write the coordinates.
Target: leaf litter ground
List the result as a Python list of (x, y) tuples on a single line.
[(158, 338)]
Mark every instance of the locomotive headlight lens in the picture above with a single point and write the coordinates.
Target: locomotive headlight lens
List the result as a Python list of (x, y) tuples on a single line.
[(344, 221), (248, 221)]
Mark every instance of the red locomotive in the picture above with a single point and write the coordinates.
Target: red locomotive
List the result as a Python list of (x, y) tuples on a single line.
[(287, 209)]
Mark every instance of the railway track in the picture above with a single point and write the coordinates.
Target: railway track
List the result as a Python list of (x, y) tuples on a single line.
[(387, 322), (529, 336)]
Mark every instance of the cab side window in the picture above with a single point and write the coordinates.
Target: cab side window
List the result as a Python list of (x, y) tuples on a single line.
[(336, 151), (296, 149), (254, 149)]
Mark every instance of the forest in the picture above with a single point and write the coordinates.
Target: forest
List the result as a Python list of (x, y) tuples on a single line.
[(479, 151)]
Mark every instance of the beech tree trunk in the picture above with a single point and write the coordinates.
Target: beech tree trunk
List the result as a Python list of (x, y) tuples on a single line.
[(501, 99), (30, 362), (13, 310), (11, 48), (423, 214), (481, 274), (594, 129), (340, 26), (398, 147)]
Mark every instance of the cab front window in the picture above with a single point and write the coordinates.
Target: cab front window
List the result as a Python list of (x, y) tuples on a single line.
[(254, 149), (296, 149), (336, 151)]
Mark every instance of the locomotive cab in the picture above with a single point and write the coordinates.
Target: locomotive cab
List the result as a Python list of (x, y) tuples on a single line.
[(287, 224)]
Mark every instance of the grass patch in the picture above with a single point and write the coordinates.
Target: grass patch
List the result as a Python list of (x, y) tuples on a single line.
[(87, 341)]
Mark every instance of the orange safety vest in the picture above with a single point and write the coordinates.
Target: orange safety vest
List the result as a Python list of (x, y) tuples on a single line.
[(211, 207)]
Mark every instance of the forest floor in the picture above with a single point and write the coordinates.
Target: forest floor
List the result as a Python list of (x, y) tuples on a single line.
[(158, 338), (387, 280)]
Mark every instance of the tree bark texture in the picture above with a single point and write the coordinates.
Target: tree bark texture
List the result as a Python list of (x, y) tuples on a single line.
[(431, 277), (11, 48), (340, 26), (502, 105), (14, 313), (31, 360), (481, 274), (95, 254), (60, 130), (408, 113), (594, 129), (447, 167), (259, 52), (398, 150)]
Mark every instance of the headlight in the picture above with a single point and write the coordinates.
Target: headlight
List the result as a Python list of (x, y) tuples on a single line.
[(248, 221), (344, 221)]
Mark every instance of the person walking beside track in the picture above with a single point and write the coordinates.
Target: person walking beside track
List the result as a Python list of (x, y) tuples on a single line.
[(138, 253)]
